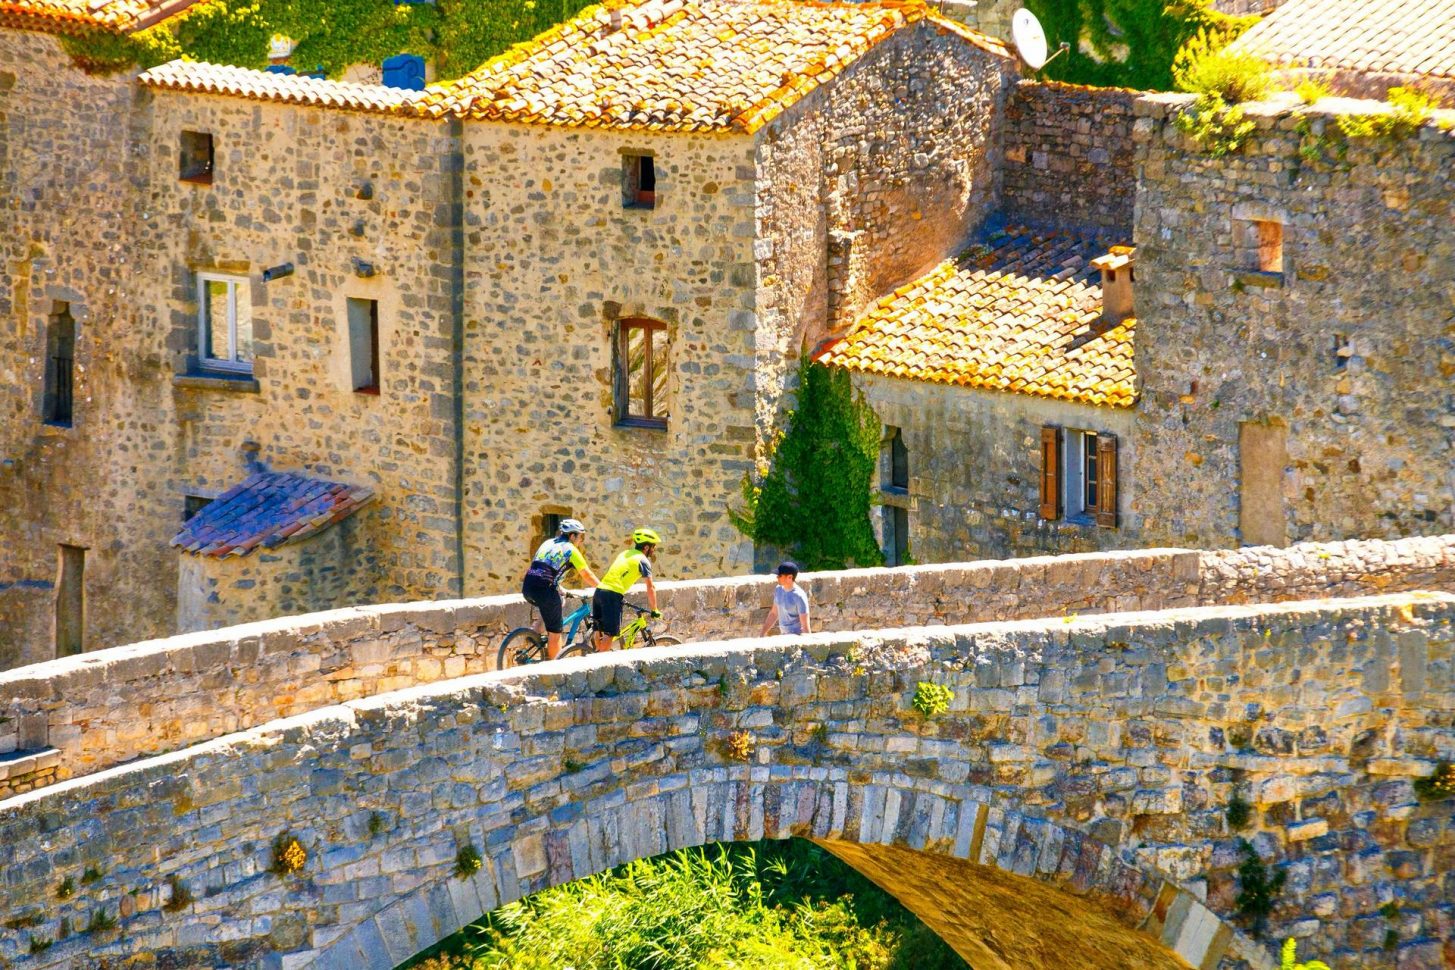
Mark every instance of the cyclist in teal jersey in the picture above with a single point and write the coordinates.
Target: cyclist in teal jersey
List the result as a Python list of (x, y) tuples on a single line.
[(542, 584)]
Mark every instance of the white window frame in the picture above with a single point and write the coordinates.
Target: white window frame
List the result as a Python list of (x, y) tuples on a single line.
[(203, 343), (1073, 473)]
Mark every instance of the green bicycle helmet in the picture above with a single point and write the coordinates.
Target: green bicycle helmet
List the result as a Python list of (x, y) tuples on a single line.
[(646, 537)]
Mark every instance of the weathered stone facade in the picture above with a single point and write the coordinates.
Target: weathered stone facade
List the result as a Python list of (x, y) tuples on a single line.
[(98, 711), (1095, 756)]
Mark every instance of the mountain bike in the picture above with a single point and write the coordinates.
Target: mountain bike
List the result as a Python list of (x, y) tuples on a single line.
[(526, 645)]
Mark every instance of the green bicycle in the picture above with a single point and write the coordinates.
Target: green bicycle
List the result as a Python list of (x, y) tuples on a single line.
[(526, 645)]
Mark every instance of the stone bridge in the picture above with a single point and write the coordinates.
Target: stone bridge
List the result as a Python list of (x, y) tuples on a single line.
[(1069, 807)]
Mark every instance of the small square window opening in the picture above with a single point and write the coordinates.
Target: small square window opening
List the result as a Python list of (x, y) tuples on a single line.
[(224, 323), (364, 344), (1270, 245), (192, 504), (639, 182), (196, 160)]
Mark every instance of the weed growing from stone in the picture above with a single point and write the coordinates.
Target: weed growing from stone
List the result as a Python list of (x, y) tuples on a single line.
[(570, 765), (181, 896), (1218, 128), (101, 921), (289, 856), (92, 874), (740, 746), (1409, 109), (1258, 891), (39, 944), (376, 824), (467, 861), (932, 699), (1290, 958), (1440, 784), (820, 733), (1239, 813), (66, 889)]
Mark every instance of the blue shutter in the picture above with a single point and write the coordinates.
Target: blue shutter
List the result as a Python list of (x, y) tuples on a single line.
[(404, 71), (279, 69)]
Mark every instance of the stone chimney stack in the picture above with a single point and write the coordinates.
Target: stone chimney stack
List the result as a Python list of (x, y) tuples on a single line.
[(1116, 283)]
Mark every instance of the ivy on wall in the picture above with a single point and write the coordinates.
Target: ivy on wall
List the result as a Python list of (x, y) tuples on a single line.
[(458, 35), (1126, 43), (813, 499)]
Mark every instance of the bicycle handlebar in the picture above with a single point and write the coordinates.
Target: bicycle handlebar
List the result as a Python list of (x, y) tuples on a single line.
[(580, 594)]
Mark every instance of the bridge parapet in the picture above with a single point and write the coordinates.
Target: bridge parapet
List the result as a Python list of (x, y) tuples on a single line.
[(86, 713), (1093, 755)]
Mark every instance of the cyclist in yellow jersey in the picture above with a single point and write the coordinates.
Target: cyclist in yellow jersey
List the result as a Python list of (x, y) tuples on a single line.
[(630, 567)]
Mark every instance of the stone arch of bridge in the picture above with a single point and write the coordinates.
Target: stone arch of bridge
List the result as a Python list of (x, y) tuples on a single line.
[(1006, 890)]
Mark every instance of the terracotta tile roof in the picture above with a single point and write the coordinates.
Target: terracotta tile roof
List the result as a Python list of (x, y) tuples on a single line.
[(268, 509), (1413, 37), (288, 88), (681, 65), (1018, 311), (77, 16)]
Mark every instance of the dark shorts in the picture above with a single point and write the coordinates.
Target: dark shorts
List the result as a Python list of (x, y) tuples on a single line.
[(541, 592), (606, 611)]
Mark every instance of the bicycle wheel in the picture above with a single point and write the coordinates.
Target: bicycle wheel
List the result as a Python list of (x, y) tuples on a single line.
[(577, 648), (666, 640), (521, 646)]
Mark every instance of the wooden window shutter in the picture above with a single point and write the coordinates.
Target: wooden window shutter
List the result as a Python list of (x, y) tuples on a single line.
[(1050, 473), (1106, 484)]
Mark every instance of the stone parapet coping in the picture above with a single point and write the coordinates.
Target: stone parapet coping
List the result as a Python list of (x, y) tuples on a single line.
[(1286, 111), (110, 706)]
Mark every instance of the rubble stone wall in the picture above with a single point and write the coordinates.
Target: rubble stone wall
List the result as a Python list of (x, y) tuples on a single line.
[(1347, 349), (1070, 159), (106, 708), (1094, 756)]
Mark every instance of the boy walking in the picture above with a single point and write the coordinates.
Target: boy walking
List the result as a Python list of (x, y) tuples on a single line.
[(790, 603)]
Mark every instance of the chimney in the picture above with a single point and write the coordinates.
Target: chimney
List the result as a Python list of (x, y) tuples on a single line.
[(1116, 283)]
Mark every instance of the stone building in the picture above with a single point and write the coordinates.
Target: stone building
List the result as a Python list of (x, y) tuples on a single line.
[(573, 282)]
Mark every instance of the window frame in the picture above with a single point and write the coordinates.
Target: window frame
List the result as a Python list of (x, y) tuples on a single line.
[(199, 176), (1079, 477), (376, 365), (1078, 471), (204, 362), (624, 416), (633, 195)]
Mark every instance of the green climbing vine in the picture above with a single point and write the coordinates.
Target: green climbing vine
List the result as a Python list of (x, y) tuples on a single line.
[(814, 495), (330, 35), (1126, 43)]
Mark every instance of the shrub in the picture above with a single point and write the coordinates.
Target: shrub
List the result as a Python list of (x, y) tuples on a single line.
[(468, 861), (932, 699), (1409, 108), (289, 856), (1440, 784), (1257, 891), (1204, 66), (1218, 129), (1309, 91)]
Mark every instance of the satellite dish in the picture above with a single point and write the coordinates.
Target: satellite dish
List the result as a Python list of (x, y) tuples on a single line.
[(1030, 39)]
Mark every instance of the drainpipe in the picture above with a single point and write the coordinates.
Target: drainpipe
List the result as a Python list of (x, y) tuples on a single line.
[(456, 164)]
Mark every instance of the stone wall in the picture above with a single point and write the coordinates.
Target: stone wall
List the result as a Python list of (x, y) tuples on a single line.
[(1069, 156), (553, 261), (867, 182), (1345, 353), (106, 708), (974, 469), (1095, 756), (66, 145)]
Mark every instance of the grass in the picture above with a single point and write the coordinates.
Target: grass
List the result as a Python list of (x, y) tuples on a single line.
[(757, 906)]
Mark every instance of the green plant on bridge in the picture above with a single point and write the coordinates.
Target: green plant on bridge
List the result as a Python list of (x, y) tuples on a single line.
[(468, 861), (1290, 958), (1258, 891), (932, 699), (101, 921), (812, 498)]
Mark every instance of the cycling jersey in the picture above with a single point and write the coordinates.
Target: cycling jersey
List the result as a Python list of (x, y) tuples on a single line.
[(554, 557), (628, 567)]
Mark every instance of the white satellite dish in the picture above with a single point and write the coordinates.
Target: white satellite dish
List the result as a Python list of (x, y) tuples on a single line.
[(1030, 39)]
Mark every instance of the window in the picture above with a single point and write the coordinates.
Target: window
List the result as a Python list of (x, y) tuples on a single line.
[(225, 323), (641, 374), (898, 461), (1259, 241), (71, 602), (639, 182), (364, 344), (60, 367), (196, 161), (192, 504), (894, 475), (1078, 476)]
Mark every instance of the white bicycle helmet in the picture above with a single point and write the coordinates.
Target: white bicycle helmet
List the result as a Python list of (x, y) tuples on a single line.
[(572, 527)]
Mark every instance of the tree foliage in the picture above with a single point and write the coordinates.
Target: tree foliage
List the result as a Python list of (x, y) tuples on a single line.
[(331, 35), (1125, 43), (761, 906), (813, 500)]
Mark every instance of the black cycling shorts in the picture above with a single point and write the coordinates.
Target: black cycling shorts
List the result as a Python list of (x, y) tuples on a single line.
[(541, 592), (606, 611)]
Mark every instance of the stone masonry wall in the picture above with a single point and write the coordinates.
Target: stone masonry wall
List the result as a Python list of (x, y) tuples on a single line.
[(1095, 756), (1345, 356), (553, 261), (1070, 156), (326, 191), (974, 470), (108, 707), (66, 142), (868, 182)]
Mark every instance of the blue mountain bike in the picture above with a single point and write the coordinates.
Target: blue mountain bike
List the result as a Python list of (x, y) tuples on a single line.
[(526, 645)]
